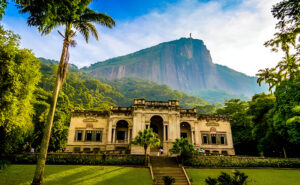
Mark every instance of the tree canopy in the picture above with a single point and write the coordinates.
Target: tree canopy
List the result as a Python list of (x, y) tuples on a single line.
[(19, 76)]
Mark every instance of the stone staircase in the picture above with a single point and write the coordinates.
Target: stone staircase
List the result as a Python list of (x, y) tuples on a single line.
[(167, 166)]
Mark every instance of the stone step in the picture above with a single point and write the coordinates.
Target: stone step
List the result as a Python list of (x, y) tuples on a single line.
[(167, 166), (176, 178), (167, 169), (169, 174)]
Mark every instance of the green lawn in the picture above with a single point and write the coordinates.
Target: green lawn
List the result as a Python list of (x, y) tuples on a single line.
[(77, 174), (255, 176)]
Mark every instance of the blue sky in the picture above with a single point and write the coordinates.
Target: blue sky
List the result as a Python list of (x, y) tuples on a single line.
[(233, 30)]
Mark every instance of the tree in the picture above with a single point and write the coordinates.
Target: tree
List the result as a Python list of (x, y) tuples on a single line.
[(260, 108), (287, 98), (3, 4), (59, 133), (75, 16), (20, 74), (182, 147), (294, 126), (225, 179), (287, 13), (241, 123), (146, 138)]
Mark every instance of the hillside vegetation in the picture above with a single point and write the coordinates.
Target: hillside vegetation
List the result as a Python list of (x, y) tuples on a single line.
[(86, 92)]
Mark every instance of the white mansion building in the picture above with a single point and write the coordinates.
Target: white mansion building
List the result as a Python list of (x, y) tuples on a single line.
[(94, 131)]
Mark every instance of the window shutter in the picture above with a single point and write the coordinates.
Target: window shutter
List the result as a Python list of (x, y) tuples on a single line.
[(75, 137), (93, 135), (218, 139)]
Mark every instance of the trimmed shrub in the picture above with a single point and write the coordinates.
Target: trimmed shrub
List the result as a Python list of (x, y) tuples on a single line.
[(237, 161), (89, 159)]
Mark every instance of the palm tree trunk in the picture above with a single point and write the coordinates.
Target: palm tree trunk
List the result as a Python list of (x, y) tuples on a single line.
[(41, 161), (284, 152)]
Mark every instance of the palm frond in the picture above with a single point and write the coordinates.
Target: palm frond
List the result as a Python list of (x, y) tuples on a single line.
[(93, 30), (99, 18), (83, 29)]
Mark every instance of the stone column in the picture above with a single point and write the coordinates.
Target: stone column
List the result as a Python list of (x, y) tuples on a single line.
[(109, 141), (114, 135), (128, 135), (192, 132), (164, 133), (196, 133), (178, 126)]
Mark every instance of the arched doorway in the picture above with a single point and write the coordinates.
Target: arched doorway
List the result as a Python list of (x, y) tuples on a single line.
[(122, 131), (156, 123), (185, 131)]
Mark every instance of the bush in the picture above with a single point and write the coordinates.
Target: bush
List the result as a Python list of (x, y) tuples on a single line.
[(237, 161), (168, 180), (225, 179), (4, 164), (89, 159)]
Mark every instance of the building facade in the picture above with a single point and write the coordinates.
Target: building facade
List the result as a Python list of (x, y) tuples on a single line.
[(93, 131)]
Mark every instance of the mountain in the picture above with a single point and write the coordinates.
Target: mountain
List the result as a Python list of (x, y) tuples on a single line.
[(183, 64)]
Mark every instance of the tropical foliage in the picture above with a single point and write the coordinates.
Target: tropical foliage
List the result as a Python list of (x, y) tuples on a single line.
[(238, 178), (287, 39), (19, 76), (146, 138), (182, 147)]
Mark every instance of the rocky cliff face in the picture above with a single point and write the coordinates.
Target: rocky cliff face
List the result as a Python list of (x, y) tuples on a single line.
[(183, 64)]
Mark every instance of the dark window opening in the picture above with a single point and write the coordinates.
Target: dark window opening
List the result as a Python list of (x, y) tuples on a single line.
[(224, 152), (167, 132), (98, 136), (183, 134), (205, 141), (223, 139), (88, 135), (121, 135), (213, 139), (78, 136), (147, 126)]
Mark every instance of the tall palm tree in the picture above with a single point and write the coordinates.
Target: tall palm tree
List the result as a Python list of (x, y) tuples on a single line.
[(75, 16)]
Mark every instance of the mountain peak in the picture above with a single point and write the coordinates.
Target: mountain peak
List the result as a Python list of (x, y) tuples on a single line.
[(184, 64)]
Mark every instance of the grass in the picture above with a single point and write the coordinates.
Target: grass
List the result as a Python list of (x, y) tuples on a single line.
[(255, 176), (77, 174)]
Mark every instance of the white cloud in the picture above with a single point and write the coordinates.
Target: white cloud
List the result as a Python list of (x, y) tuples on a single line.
[(234, 36)]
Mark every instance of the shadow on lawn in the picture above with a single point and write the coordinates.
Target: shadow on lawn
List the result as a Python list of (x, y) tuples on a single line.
[(23, 174), (112, 175), (80, 176)]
